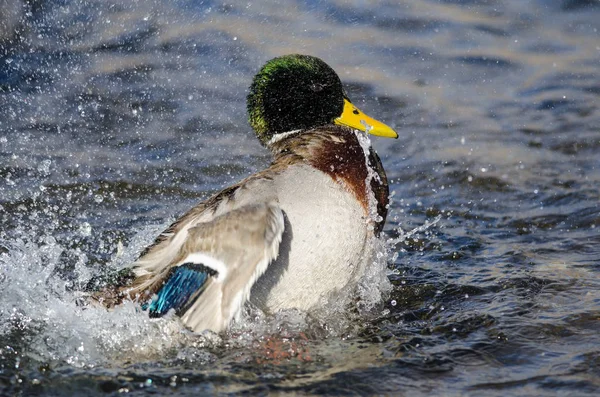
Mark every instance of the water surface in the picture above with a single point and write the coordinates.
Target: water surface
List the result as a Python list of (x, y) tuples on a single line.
[(116, 118)]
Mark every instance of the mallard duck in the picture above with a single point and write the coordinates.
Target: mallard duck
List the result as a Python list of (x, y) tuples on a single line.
[(284, 237)]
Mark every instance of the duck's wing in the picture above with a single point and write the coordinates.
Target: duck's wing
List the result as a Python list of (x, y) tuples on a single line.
[(215, 267)]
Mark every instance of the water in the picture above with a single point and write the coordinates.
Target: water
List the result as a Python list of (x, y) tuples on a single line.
[(115, 118)]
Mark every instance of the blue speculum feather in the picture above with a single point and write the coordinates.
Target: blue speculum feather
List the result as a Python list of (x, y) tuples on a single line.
[(185, 282)]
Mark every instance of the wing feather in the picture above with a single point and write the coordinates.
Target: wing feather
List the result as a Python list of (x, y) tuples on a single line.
[(235, 247), (245, 241)]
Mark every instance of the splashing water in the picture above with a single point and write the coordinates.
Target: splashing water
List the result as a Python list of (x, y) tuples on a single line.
[(365, 144), (374, 285), (58, 325), (403, 236), (368, 127)]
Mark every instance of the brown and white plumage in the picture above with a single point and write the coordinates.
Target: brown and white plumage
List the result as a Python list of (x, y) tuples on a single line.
[(284, 237)]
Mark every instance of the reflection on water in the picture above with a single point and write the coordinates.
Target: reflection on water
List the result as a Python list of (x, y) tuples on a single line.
[(115, 118)]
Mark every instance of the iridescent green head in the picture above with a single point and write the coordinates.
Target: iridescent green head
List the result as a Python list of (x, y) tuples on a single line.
[(300, 92), (293, 92)]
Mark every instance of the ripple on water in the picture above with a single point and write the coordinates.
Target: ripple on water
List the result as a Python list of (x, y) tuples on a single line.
[(140, 110)]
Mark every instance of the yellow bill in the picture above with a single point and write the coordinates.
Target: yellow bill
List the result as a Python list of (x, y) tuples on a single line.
[(352, 117)]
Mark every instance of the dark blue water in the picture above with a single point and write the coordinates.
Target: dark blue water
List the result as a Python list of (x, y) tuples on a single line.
[(116, 117)]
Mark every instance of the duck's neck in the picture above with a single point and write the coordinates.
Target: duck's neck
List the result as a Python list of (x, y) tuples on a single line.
[(281, 136)]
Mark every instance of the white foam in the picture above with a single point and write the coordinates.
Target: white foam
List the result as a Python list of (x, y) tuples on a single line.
[(36, 302)]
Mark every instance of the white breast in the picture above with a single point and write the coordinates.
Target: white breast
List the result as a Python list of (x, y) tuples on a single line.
[(325, 244)]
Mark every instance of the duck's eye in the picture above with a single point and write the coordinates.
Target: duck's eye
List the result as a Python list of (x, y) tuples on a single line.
[(316, 87)]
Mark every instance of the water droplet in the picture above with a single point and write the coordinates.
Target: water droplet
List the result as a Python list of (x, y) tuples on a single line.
[(85, 229), (367, 126), (44, 167)]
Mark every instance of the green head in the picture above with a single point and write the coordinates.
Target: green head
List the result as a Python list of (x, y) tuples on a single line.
[(293, 92)]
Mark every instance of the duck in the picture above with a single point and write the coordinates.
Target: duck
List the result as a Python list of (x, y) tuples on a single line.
[(286, 237)]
